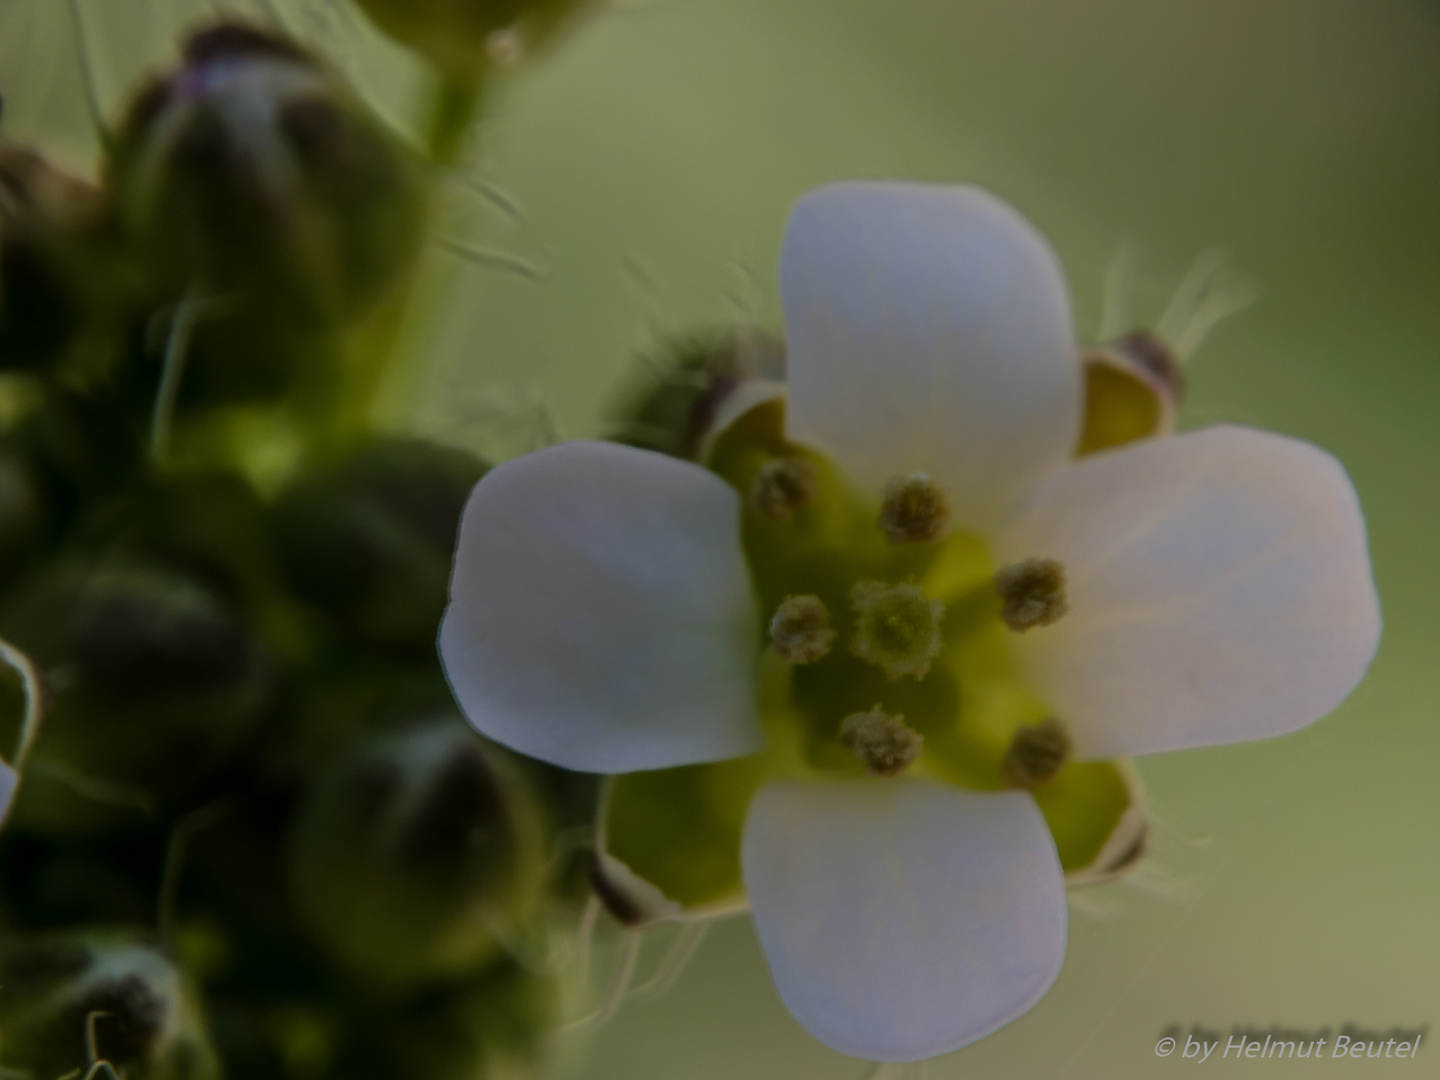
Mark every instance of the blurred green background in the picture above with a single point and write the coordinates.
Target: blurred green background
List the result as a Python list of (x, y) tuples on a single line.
[(653, 159)]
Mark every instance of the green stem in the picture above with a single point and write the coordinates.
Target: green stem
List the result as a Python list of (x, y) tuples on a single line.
[(452, 113), (456, 105)]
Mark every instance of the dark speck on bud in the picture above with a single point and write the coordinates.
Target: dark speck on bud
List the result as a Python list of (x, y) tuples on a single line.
[(782, 487), (801, 632), (1033, 593), (886, 744), (252, 173), (1036, 754), (915, 510)]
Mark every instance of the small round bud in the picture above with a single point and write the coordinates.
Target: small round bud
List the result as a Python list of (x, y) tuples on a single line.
[(915, 510), (1032, 592), (896, 628), (152, 675), (60, 998), (370, 540), (53, 266), (419, 855), (463, 36), (801, 632), (1036, 754), (886, 744), (1133, 388), (250, 173), (782, 487), (685, 389)]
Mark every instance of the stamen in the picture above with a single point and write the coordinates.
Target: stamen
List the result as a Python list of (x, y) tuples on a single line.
[(897, 629), (1033, 592), (782, 486), (1036, 754), (800, 630), (886, 744), (915, 510)]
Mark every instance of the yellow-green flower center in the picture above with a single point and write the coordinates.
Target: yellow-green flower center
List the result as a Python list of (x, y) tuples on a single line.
[(914, 608)]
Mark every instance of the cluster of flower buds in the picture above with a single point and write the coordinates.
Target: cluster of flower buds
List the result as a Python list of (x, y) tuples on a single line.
[(242, 829)]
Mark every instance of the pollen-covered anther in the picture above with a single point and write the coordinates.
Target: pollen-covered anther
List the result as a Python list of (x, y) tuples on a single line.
[(915, 510), (782, 486), (896, 628), (886, 744), (800, 631), (1036, 754), (1033, 592)]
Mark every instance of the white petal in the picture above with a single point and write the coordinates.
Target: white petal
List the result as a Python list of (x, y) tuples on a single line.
[(1219, 588), (903, 918), (601, 614), (929, 330)]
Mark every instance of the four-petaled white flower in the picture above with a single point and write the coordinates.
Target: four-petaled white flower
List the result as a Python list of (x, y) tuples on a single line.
[(1217, 588)]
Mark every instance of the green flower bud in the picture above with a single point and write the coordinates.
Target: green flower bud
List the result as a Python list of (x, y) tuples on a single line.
[(370, 540), (1134, 387), (464, 36), (676, 407), (250, 173), (152, 678), (52, 263), (420, 856), (63, 1000)]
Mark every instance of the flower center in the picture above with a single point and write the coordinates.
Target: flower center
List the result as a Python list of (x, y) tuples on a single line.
[(890, 640), (896, 628)]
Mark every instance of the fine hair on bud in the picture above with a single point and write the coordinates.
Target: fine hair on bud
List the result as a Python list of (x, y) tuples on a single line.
[(685, 383)]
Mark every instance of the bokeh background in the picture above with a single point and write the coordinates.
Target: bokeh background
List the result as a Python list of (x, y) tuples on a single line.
[(650, 163)]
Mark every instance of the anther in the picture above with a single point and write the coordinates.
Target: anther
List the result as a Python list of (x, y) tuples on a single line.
[(886, 744), (1036, 754), (915, 510), (896, 628), (1033, 592), (782, 486), (801, 631)]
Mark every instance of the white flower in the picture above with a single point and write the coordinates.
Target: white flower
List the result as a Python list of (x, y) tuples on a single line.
[(608, 604)]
